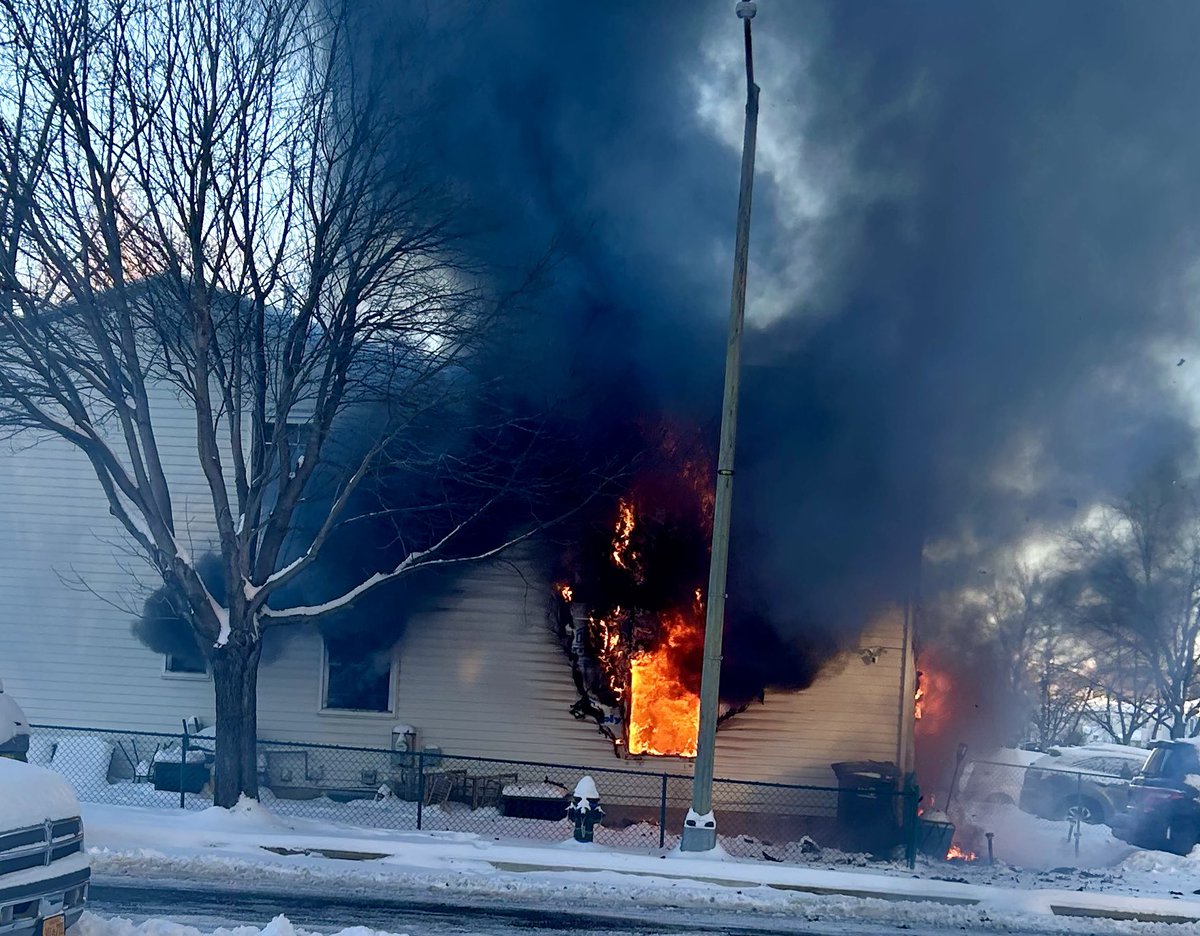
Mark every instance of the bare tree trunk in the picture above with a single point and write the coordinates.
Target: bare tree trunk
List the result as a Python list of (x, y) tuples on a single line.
[(235, 679)]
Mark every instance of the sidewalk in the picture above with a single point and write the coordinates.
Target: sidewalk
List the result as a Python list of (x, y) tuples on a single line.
[(128, 841)]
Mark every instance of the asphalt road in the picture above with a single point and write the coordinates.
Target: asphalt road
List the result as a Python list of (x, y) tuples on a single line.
[(207, 909)]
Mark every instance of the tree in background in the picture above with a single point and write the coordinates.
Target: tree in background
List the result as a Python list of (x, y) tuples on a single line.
[(1132, 592), (207, 197), (1018, 618)]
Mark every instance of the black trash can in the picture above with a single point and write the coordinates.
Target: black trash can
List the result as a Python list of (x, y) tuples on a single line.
[(867, 817)]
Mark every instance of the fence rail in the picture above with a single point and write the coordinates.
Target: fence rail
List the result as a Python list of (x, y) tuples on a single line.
[(434, 791)]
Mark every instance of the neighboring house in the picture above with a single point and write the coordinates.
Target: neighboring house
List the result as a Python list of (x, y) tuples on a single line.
[(479, 673)]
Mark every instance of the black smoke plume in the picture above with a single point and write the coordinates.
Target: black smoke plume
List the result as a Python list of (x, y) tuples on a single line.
[(972, 258), (971, 252)]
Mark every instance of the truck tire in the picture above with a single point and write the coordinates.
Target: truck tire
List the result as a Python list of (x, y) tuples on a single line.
[(1180, 835)]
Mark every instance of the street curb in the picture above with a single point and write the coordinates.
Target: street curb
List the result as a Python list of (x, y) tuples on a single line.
[(727, 882), (1055, 908)]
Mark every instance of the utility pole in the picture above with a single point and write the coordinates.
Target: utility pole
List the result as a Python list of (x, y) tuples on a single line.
[(700, 828)]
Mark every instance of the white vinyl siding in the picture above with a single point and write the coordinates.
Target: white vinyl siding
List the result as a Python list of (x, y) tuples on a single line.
[(479, 674), (72, 583), (482, 675)]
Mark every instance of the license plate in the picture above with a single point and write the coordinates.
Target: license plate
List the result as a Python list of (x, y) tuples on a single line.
[(54, 926)]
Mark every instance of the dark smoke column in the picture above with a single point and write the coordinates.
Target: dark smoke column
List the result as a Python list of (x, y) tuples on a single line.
[(700, 828)]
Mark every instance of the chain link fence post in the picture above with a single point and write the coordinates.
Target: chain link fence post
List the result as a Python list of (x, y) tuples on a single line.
[(183, 756), (1079, 809), (912, 799), (420, 787), (662, 814)]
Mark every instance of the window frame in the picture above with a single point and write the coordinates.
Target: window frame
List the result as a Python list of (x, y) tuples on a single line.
[(393, 689), (168, 673)]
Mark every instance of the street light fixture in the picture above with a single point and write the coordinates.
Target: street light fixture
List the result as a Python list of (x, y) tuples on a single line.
[(700, 828)]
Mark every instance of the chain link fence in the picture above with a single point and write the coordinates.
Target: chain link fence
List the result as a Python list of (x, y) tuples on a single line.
[(433, 791), (1073, 803), (1092, 796)]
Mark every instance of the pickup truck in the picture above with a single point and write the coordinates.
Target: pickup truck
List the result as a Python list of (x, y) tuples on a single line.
[(44, 870)]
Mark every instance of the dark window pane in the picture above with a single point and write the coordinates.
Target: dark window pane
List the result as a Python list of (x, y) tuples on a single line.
[(184, 664), (356, 680)]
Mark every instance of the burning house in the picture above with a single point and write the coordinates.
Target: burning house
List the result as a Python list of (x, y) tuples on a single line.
[(585, 654)]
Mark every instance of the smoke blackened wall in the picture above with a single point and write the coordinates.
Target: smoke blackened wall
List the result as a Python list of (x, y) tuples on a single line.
[(971, 258)]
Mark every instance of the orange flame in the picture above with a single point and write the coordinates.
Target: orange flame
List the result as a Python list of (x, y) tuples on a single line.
[(622, 533), (664, 715), (932, 700), (958, 853), (565, 591)]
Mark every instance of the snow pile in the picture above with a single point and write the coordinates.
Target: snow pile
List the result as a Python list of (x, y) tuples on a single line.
[(85, 762), (172, 756), (543, 790), (1163, 864), (248, 815), (29, 795), (1031, 842), (41, 750), (92, 925), (205, 740)]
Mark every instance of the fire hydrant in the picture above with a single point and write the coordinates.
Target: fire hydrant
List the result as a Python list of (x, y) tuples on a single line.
[(585, 811)]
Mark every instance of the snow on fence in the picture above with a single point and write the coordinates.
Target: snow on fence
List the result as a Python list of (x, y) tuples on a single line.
[(431, 790)]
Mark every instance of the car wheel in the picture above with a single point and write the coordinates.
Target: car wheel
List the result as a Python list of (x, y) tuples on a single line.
[(1086, 810)]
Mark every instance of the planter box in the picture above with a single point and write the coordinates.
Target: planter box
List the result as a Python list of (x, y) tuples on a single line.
[(534, 807), (166, 776)]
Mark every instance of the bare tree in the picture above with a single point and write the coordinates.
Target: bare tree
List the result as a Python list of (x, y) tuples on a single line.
[(1038, 658), (1134, 594), (208, 197), (1124, 696)]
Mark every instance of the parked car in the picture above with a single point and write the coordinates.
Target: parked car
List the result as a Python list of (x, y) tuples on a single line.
[(1089, 783), (44, 871), (1163, 810), (995, 776)]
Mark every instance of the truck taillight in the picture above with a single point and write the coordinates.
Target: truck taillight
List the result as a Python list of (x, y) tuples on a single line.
[(1152, 795)]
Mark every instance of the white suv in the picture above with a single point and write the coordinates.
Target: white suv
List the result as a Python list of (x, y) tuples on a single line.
[(44, 870)]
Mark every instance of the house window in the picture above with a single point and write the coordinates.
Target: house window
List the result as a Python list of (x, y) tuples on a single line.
[(174, 665), (357, 679)]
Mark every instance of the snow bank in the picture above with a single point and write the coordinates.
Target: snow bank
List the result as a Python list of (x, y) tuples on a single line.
[(41, 750), (544, 790), (84, 761), (172, 756), (247, 816), (1031, 842), (29, 795), (92, 925), (1162, 863)]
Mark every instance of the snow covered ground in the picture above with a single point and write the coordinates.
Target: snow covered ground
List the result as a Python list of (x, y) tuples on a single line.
[(92, 925), (252, 843), (1039, 872)]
